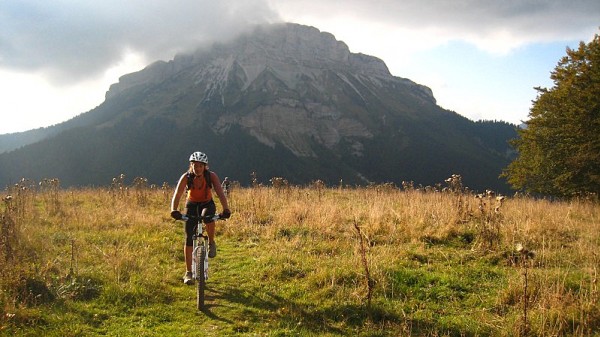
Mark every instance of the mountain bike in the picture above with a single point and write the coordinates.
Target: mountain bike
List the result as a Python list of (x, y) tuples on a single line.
[(200, 254)]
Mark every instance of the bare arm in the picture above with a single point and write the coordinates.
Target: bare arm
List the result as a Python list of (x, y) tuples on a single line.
[(178, 192)]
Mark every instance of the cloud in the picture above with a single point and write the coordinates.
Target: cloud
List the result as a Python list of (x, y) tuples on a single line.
[(73, 40), (494, 26), (70, 40)]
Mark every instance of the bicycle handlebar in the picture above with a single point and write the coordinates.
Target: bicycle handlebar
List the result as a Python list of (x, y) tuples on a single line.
[(205, 219)]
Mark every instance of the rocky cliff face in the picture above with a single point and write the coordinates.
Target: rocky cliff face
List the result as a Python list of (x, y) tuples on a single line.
[(306, 80)]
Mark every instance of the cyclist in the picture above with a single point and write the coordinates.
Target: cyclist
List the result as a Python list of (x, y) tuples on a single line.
[(226, 185), (199, 182)]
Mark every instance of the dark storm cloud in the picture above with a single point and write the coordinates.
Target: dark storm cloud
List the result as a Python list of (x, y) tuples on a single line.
[(71, 40)]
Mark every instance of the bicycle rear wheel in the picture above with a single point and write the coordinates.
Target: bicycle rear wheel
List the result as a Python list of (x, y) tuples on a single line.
[(200, 277)]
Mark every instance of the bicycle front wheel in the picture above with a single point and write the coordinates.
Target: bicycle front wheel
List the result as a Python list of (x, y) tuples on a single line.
[(201, 278)]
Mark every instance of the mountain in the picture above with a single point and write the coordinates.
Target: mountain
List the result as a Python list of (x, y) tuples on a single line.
[(282, 100)]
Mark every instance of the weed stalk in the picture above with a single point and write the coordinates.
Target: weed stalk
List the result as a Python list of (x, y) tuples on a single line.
[(525, 258), (365, 264)]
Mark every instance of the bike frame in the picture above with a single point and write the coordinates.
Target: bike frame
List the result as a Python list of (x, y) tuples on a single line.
[(200, 262), (200, 255)]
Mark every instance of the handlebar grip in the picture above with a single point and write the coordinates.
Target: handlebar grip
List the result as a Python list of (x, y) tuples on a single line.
[(212, 218)]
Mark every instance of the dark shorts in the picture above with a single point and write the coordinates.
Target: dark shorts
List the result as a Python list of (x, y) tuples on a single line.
[(195, 209)]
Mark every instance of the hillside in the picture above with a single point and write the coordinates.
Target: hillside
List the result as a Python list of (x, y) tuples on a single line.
[(284, 100)]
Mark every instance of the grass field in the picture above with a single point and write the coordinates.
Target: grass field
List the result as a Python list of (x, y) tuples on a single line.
[(300, 261)]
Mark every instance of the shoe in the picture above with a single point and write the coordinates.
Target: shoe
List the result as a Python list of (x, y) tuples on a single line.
[(188, 278), (212, 250)]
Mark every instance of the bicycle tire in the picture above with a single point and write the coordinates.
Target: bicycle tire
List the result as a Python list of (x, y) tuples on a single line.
[(201, 284)]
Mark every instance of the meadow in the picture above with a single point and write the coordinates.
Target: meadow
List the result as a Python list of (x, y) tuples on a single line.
[(300, 261)]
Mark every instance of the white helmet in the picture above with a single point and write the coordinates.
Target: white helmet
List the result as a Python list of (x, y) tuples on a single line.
[(199, 156)]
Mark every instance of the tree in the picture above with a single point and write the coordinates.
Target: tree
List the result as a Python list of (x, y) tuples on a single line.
[(559, 150)]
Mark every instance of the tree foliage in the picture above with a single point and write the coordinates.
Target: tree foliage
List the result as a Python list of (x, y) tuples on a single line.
[(559, 150)]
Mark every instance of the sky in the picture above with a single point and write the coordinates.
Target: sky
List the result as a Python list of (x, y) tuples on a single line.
[(481, 58)]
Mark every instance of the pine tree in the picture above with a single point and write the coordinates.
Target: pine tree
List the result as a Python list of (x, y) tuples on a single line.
[(559, 151)]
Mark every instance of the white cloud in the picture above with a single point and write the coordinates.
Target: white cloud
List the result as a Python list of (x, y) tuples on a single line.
[(29, 101)]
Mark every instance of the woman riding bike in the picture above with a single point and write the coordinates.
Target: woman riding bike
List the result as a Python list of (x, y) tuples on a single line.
[(199, 182)]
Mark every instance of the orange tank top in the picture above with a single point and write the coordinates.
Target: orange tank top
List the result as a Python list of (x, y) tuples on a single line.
[(199, 191)]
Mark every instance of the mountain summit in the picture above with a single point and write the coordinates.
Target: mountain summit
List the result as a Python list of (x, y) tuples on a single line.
[(288, 84), (283, 100)]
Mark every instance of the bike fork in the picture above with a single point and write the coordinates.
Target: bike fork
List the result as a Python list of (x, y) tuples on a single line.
[(197, 252)]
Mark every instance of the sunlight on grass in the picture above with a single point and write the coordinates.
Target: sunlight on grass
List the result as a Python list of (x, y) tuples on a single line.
[(100, 261)]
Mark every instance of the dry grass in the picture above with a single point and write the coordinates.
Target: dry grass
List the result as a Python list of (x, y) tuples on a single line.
[(564, 237), (427, 254)]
